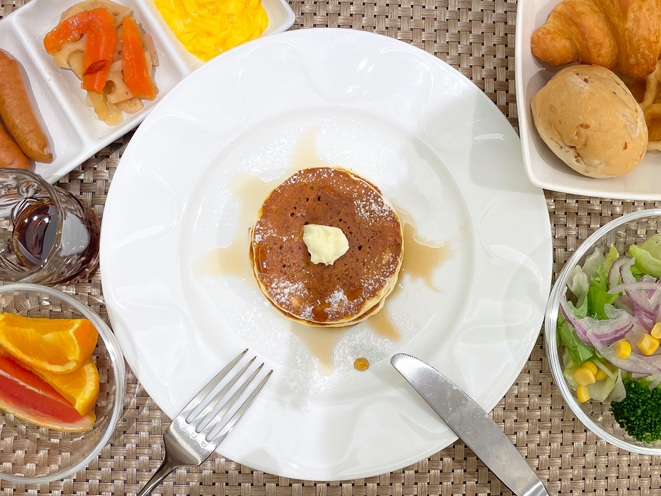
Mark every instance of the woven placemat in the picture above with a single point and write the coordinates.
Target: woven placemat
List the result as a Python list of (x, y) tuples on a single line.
[(477, 38)]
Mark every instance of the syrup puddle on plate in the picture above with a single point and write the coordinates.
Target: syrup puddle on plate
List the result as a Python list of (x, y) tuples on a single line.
[(421, 259)]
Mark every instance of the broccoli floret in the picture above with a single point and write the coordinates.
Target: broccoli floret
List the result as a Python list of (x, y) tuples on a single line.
[(640, 412)]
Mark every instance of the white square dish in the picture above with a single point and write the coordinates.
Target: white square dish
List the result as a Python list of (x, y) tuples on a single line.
[(73, 129), (544, 168)]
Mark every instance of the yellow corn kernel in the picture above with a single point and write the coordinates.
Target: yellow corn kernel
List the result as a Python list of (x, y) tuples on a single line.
[(582, 393), (648, 344), (600, 375), (591, 367), (622, 349), (584, 376), (656, 331)]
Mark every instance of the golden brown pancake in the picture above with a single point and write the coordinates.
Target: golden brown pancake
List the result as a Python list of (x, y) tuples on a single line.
[(356, 284)]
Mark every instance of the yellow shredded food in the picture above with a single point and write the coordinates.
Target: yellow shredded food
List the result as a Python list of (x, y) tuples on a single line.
[(209, 27)]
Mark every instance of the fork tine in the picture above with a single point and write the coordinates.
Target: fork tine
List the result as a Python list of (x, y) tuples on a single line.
[(216, 419), (198, 421), (199, 397), (227, 428)]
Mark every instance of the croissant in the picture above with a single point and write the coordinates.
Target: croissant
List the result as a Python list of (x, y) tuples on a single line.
[(622, 35)]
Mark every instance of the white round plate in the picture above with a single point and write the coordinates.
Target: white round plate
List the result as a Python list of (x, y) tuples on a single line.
[(435, 145)]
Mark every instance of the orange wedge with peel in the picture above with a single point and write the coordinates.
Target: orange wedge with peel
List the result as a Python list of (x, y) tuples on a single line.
[(80, 387), (55, 346)]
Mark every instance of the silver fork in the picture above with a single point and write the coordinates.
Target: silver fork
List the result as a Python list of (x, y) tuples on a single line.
[(188, 439)]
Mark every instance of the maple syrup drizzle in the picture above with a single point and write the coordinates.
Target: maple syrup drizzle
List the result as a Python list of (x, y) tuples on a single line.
[(321, 343), (361, 364), (252, 191), (421, 258), (381, 324)]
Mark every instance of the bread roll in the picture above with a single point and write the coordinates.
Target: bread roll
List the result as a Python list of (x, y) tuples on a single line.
[(590, 119)]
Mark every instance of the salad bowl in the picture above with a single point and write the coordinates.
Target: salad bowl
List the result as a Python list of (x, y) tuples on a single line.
[(603, 303)]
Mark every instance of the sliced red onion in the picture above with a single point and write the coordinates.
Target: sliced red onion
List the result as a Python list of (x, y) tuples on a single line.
[(636, 364), (624, 303), (614, 272), (573, 321), (625, 271), (644, 313), (644, 321), (599, 333), (635, 286)]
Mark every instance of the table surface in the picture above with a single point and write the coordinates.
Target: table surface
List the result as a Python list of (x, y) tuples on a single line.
[(477, 38)]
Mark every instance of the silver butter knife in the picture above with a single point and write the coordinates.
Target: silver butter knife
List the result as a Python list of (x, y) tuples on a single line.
[(472, 424)]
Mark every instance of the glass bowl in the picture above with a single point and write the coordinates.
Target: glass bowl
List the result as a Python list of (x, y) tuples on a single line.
[(633, 228), (32, 454)]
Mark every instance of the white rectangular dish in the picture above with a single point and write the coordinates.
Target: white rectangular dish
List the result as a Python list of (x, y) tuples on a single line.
[(544, 168), (73, 129)]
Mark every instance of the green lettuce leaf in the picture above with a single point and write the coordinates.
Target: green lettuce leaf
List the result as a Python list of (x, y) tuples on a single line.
[(577, 349), (598, 296), (578, 283), (653, 246), (602, 389), (569, 367), (645, 262)]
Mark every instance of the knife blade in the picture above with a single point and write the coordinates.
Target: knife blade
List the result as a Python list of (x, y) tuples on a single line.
[(471, 423)]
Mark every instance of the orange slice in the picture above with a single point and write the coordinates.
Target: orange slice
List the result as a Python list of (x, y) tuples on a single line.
[(80, 387), (57, 346)]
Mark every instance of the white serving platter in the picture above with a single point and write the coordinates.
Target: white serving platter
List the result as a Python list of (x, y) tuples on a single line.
[(73, 129), (544, 168)]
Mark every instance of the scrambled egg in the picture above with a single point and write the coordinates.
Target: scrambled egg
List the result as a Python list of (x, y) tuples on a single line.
[(209, 27)]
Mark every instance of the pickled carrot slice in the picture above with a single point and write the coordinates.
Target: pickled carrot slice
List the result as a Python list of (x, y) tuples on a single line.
[(99, 49), (99, 25), (135, 67), (69, 30)]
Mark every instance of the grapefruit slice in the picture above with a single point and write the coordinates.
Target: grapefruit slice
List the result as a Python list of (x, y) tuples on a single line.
[(25, 395)]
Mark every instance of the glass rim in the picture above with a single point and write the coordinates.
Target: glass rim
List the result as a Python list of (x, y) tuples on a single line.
[(550, 329), (117, 360), (52, 193)]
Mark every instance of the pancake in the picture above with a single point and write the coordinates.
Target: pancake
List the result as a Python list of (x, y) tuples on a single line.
[(355, 286)]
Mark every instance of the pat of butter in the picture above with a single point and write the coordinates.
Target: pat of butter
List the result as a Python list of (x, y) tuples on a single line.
[(325, 243)]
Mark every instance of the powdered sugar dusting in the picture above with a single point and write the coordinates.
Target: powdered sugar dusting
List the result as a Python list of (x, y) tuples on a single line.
[(372, 207), (338, 301), (283, 291)]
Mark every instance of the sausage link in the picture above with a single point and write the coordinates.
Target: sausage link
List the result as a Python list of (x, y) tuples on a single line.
[(10, 154), (18, 113)]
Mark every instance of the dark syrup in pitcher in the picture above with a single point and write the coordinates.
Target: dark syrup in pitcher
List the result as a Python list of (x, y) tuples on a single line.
[(35, 233)]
